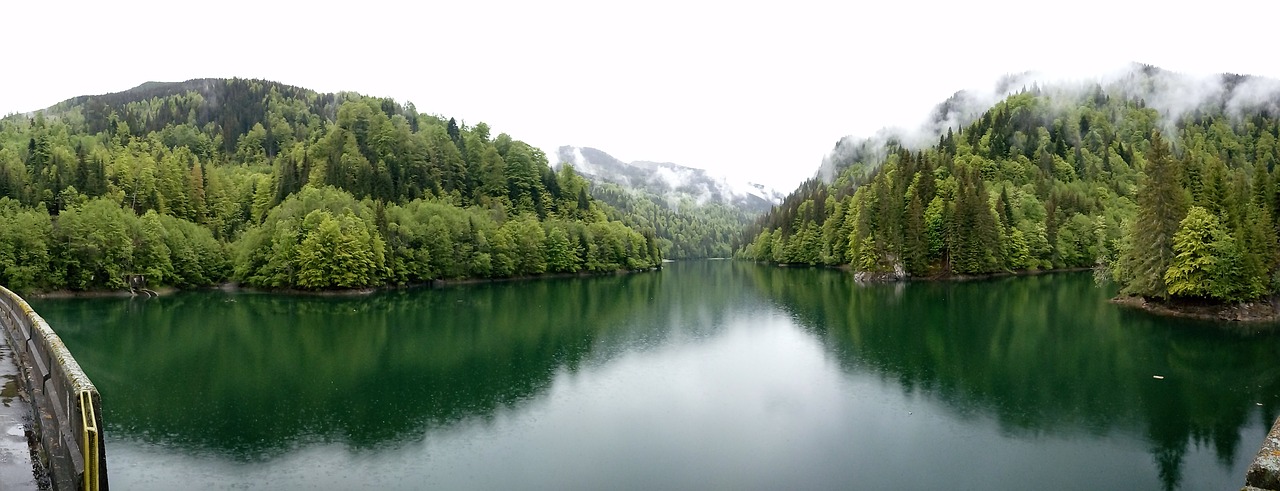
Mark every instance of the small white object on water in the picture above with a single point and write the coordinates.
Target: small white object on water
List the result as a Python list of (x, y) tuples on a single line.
[(1158, 377)]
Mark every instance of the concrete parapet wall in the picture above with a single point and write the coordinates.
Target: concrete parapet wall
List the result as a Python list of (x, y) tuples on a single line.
[(67, 405), (1264, 472)]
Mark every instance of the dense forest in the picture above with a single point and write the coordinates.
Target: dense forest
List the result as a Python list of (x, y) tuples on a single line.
[(694, 214), (685, 228), (275, 186), (1169, 204)]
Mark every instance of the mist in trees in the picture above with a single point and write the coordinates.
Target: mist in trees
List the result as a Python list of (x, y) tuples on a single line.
[(1169, 209), (684, 228)]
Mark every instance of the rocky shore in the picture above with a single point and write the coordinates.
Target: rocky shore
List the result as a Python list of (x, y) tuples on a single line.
[(1264, 310)]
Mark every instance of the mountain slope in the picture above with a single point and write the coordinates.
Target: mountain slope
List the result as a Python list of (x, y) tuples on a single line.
[(276, 186), (1062, 176), (693, 214), (668, 180)]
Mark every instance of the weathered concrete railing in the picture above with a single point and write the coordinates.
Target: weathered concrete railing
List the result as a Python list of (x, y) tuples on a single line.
[(1264, 472), (65, 401)]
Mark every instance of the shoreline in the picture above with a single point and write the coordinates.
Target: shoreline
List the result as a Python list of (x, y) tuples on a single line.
[(866, 277), (1257, 312), (1261, 311), (1003, 274), (344, 292), (160, 291)]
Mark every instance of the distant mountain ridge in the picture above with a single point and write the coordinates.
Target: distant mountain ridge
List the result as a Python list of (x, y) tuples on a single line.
[(669, 180)]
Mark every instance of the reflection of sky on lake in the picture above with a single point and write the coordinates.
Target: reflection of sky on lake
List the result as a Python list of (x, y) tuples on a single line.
[(759, 405), (686, 379)]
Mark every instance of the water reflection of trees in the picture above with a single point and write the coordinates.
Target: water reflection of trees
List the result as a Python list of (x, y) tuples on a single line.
[(252, 376), (1046, 354)]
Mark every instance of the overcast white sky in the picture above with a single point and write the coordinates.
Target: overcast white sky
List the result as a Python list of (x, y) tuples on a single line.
[(756, 90)]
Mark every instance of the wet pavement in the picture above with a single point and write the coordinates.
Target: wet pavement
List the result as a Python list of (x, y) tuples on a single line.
[(16, 472)]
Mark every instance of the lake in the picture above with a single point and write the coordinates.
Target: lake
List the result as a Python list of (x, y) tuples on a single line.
[(706, 375)]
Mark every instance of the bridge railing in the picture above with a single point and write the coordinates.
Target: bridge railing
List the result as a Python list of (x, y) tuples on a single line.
[(67, 405)]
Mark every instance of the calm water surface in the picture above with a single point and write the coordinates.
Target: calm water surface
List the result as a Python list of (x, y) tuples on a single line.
[(708, 375)]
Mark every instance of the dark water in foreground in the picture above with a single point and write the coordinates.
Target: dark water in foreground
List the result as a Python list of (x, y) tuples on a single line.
[(708, 375)]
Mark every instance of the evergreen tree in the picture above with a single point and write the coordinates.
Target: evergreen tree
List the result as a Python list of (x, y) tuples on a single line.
[(1205, 262), (1162, 204), (975, 238), (915, 250)]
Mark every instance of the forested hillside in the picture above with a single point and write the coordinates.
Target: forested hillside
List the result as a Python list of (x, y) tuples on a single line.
[(694, 214), (276, 186), (685, 228), (670, 181), (1171, 197)]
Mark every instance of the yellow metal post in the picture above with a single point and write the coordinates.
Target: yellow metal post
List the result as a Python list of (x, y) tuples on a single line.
[(89, 440)]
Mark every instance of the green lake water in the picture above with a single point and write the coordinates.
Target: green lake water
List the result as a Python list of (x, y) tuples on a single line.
[(706, 375)]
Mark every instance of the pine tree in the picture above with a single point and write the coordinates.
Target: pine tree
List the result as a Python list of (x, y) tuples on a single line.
[(1162, 204), (975, 237), (1257, 244), (915, 247)]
